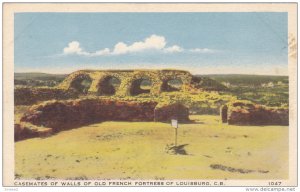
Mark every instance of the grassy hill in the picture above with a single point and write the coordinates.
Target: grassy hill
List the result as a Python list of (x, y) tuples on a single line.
[(247, 79), (38, 79), (39, 76), (262, 89)]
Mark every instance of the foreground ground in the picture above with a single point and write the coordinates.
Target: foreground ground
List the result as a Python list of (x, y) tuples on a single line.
[(138, 150)]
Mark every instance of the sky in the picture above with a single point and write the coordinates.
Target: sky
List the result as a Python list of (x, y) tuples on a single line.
[(202, 43)]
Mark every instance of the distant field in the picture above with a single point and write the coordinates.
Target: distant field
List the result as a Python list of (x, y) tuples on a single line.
[(39, 76), (38, 79), (261, 89), (137, 150), (239, 79)]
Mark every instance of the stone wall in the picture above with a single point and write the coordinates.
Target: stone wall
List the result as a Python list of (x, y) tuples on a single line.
[(173, 111), (54, 116), (247, 113), (27, 130), (60, 115), (128, 80), (99, 83), (224, 113)]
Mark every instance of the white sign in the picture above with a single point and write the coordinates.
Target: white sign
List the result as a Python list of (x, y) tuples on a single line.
[(174, 123)]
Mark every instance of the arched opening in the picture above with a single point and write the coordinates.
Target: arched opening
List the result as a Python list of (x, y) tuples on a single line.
[(108, 86), (171, 85), (81, 83), (140, 86)]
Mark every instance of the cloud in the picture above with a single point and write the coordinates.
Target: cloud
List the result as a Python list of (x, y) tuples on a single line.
[(73, 47), (202, 50), (105, 51), (153, 42), (173, 49)]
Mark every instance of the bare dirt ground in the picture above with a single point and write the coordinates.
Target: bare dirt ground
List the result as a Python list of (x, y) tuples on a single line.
[(141, 150)]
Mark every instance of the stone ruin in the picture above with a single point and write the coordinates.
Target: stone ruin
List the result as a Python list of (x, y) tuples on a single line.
[(118, 83), (57, 113), (248, 113), (54, 116), (125, 82)]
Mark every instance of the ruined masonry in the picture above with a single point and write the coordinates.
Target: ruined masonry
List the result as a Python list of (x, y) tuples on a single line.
[(130, 81)]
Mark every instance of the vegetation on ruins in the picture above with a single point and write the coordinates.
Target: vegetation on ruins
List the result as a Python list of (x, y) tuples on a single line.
[(201, 94), (262, 89), (119, 94)]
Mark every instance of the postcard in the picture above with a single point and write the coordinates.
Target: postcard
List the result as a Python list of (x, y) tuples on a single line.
[(157, 94)]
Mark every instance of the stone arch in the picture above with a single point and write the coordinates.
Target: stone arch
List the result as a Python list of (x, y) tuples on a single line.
[(133, 81), (108, 85), (127, 77), (169, 75), (138, 84), (81, 83), (172, 84)]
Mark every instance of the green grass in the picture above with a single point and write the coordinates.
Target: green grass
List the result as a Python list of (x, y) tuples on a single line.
[(247, 79), (137, 150), (39, 76), (257, 88)]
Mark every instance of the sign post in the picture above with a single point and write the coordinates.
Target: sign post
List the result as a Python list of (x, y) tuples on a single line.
[(174, 123)]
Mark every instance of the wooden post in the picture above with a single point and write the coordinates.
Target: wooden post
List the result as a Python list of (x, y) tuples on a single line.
[(175, 137), (174, 123)]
